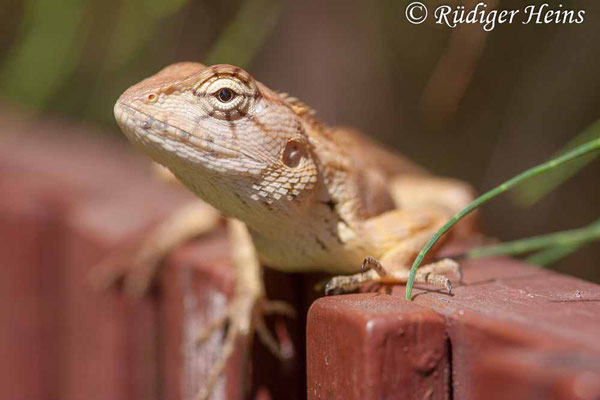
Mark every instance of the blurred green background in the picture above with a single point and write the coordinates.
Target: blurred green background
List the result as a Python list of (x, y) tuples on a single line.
[(479, 106)]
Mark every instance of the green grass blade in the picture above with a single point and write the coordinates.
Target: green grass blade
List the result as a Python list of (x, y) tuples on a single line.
[(551, 255), (46, 51), (566, 239), (540, 186), (577, 152), (249, 29)]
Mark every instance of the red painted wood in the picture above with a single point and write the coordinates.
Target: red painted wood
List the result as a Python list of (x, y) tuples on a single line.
[(504, 302), (370, 346), (518, 373), (29, 293), (68, 201), (504, 308)]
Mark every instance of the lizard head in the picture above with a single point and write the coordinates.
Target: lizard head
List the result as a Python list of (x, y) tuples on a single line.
[(233, 141)]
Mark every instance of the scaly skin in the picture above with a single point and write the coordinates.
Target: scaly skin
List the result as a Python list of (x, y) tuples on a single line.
[(312, 198), (306, 192)]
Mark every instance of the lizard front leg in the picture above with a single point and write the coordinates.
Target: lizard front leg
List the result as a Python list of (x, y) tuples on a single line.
[(430, 199), (394, 267), (375, 272), (246, 310), (139, 269)]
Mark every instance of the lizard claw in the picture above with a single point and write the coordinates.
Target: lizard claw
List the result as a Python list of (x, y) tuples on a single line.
[(349, 283), (277, 307), (334, 286), (244, 317), (330, 288), (281, 349), (373, 271), (369, 270)]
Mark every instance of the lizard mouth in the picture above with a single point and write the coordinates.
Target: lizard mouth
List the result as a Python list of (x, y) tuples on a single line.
[(143, 128)]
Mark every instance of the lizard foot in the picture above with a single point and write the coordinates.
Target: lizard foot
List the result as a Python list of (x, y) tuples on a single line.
[(244, 316), (138, 267), (374, 272)]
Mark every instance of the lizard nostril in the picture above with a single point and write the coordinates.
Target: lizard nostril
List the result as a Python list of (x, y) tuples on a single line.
[(151, 97)]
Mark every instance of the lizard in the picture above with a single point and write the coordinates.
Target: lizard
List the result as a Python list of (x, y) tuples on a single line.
[(298, 195)]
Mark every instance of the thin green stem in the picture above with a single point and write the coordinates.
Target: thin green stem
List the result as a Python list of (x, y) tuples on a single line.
[(577, 152), (551, 255), (565, 238)]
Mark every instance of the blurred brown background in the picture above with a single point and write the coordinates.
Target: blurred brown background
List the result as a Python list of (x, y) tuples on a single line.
[(463, 102)]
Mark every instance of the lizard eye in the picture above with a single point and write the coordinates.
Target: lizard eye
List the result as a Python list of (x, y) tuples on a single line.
[(225, 95)]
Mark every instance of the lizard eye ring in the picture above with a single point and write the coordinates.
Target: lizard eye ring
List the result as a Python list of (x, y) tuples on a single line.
[(225, 97)]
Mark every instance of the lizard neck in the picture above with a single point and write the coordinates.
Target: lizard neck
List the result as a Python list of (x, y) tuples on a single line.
[(289, 235)]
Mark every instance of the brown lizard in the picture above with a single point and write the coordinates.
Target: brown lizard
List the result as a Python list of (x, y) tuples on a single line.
[(300, 196)]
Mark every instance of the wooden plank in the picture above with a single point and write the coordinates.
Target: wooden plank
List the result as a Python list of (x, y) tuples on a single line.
[(371, 346), (504, 302), (70, 200), (503, 307), (29, 293), (517, 373)]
